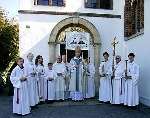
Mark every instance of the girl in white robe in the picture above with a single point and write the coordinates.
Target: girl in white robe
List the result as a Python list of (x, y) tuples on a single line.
[(21, 97), (131, 85), (32, 80), (40, 75)]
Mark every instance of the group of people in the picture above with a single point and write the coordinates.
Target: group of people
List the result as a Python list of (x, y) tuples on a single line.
[(119, 82), (34, 84)]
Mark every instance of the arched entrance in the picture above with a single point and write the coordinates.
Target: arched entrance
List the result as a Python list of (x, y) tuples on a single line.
[(76, 23)]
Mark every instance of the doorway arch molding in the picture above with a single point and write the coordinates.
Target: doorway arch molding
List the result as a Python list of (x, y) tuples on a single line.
[(90, 28)]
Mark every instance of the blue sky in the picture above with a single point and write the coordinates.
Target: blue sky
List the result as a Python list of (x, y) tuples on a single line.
[(11, 6)]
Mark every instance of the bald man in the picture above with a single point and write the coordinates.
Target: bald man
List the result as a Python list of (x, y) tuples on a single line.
[(60, 70), (118, 83), (76, 81)]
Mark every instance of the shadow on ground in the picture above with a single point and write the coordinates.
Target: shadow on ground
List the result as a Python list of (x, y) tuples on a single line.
[(68, 109)]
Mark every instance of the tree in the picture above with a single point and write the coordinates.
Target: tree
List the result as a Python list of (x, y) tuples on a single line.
[(9, 43)]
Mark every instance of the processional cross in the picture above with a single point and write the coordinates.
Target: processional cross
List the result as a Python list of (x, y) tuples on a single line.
[(114, 43)]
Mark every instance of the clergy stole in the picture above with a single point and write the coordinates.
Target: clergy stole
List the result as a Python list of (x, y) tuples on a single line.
[(77, 73)]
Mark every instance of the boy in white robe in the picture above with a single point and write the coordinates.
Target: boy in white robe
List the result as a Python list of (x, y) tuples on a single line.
[(131, 83), (30, 73), (90, 84), (60, 71), (21, 104), (50, 83), (105, 79), (118, 83)]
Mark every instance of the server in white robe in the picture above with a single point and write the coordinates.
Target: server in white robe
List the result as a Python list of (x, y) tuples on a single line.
[(105, 79), (50, 83), (131, 83), (75, 87), (90, 83), (118, 82), (40, 75), (30, 73), (67, 76), (21, 104), (60, 71)]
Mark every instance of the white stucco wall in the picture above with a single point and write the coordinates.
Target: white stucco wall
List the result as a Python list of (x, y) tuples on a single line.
[(35, 39), (141, 47)]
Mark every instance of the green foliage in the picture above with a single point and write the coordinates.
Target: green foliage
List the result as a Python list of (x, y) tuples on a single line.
[(8, 41), (9, 44)]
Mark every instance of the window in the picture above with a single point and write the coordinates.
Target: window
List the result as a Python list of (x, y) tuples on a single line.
[(99, 4), (134, 17), (50, 2), (42, 2), (57, 2)]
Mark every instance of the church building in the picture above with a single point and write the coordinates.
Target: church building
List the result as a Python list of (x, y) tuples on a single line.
[(52, 27)]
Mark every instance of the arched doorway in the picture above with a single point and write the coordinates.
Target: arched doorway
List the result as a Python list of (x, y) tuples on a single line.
[(57, 39)]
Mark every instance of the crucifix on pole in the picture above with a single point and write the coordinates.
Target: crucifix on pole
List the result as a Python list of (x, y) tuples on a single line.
[(114, 43)]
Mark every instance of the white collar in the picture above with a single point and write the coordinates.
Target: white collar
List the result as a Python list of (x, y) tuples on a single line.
[(77, 58)]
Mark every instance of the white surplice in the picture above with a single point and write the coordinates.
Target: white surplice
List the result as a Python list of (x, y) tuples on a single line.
[(21, 97), (131, 97), (40, 75), (50, 84), (91, 83), (75, 86), (118, 85), (29, 68), (105, 81), (60, 80)]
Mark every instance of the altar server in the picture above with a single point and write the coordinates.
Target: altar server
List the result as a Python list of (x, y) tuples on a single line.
[(67, 76), (50, 83), (21, 104), (132, 82), (60, 70), (90, 82), (105, 79)]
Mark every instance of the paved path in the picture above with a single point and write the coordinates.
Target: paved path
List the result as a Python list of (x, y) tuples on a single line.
[(69, 109)]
